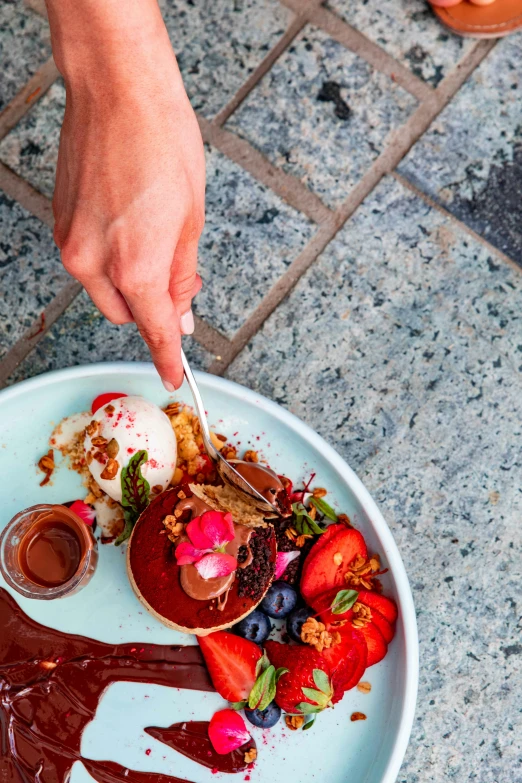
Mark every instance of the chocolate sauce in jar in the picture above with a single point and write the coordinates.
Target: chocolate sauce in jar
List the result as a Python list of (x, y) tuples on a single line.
[(50, 553)]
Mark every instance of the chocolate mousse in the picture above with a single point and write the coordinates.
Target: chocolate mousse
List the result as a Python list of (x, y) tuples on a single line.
[(179, 595)]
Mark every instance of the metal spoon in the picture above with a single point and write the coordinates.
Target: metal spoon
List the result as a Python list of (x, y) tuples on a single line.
[(227, 472)]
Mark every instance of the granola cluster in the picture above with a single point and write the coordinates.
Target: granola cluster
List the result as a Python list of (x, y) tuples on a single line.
[(315, 634), (363, 573), (187, 429)]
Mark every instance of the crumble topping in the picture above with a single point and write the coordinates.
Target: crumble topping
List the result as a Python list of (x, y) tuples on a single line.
[(315, 634), (364, 572), (294, 722), (250, 756), (253, 579)]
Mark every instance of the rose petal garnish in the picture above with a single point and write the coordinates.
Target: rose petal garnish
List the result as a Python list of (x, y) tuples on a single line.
[(227, 731), (218, 527), (215, 564), (86, 513), (283, 561), (195, 532), (186, 554)]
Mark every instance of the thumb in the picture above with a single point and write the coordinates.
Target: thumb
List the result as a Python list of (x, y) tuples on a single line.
[(185, 284)]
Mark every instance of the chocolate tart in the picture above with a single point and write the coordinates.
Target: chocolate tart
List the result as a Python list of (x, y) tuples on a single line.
[(155, 575)]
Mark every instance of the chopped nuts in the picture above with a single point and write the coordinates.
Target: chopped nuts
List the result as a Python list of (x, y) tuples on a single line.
[(357, 716), (312, 513), (156, 489), (363, 615), (294, 722), (301, 540), (110, 470), (222, 438), (101, 457), (338, 558), (173, 527), (99, 441), (172, 409), (250, 756), (319, 492), (113, 447), (315, 634), (251, 456), (229, 452), (88, 457), (46, 465), (92, 428), (176, 478), (364, 687), (363, 572), (344, 519), (109, 409), (181, 495), (48, 665)]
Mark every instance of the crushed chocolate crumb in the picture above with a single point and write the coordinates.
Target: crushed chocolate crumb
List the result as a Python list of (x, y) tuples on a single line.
[(253, 579)]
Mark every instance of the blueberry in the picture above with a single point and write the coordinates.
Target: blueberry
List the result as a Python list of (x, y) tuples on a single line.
[(256, 627), (279, 600), (295, 620), (266, 718)]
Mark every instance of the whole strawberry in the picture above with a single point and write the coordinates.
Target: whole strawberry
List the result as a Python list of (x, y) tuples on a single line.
[(306, 687)]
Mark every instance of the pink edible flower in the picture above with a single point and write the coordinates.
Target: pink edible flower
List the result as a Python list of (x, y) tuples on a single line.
[(86, 513), (208, 536), (227, 731), (283, 561)]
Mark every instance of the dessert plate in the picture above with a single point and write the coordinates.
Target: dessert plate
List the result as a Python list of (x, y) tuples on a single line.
[(336, 749)]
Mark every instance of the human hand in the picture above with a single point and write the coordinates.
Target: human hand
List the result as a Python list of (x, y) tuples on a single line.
[(130, 181)]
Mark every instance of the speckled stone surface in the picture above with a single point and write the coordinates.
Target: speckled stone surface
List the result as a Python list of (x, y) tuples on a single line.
[(409, 31), (250, 235), (30, 271), (24, 46), (31, 148), (322, 114), (218, 44), (381, 347), (470, 160), (83, 336)]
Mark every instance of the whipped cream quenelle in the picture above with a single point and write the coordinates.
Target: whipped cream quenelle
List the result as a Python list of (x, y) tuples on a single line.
[(123, 427)]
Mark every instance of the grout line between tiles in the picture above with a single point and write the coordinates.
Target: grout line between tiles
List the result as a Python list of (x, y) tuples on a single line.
[(285, 185), (38, 330), (30, 199), (37, 86), (352, 39), (284, 42), (209, 338), (451, 217), (401, 142)]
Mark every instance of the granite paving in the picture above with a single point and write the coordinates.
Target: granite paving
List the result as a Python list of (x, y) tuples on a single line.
[(408, 30), (322, 114), (31, 273), (24, 46), (250, 235), (219, 44), (421, 396), (470, 160), (82, 335)]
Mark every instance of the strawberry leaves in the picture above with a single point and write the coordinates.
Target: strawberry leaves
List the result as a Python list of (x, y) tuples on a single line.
[(264, 690), (135, 490), (343, 601), (320, 698)]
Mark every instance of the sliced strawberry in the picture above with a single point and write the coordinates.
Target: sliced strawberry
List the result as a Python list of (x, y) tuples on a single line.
[(386, 606), (377, 647), (321, 572), (231, 662), (324, 538), (301, 663), (104, 399), (386, 628), (347, 662)]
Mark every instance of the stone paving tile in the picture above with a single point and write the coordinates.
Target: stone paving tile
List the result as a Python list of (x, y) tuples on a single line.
[(83, 336), (470, 160), (322, 114), (250, 236), (409, 31), (219, 44), (24, 46), (30, 271), (377, 349)]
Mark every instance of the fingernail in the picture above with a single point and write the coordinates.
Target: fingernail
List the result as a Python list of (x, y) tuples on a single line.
[(169, 386), (186, 322)]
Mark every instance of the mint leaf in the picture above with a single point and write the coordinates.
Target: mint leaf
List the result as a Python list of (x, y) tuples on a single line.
[(325, 509), (303, 522), (343, 601), (322, 681), (135, 488), (264, 690), (309, 724), (238, 705)]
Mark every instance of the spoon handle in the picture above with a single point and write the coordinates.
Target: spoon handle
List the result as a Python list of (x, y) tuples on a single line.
[(200, 409)]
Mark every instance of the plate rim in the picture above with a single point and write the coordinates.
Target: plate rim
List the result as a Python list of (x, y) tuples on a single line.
[(408, 616)]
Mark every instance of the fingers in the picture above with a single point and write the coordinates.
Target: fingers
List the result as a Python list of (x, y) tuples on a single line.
[(158, 322), (185, 282), (109, 301)]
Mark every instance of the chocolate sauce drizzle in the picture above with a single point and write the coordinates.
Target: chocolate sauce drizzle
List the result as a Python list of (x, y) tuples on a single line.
[(51, 684)]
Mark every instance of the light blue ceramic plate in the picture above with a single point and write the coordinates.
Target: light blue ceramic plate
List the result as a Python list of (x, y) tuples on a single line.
[(335, 749)]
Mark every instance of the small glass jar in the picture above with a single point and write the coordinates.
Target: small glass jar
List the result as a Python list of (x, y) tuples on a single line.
[(16, 532)]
